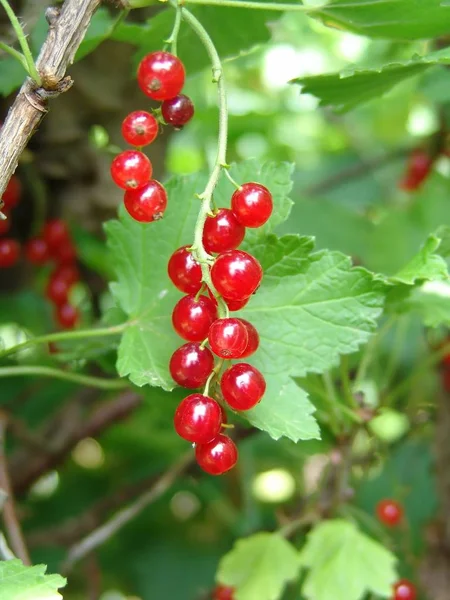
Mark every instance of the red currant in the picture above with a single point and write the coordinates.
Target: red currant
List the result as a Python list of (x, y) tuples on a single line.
[(233, 305), (389, 512), (192, 317), (67, 316), (228, 338), (36, 251), (252, 204), (177, 111), (223, 592), (57, 290), (198, 419), (253, 339), (222, 232), (147, 203), (66, 254), (184, 271), (191, 365), (217, 456), (236, 274), (131, 169), (5, 224), (67, 272), (161, 75), (139, 128), (242, 386), (11, 195), (55, 233), (404, 590), (419, 167), (9, 252)]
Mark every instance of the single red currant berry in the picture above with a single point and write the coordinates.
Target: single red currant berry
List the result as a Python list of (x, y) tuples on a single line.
[(217, 456), (139, 128), (233, 305), (131, 169), (236, 274), (222, 232), (57, 290), (252, 204), (192, 317), (11, 195), (161, 75), (389, 512), (419, 167), (198, 419), (36, 251), (177, 111), (66, 254), (242, 386), (5, 224), (228, 338), (67, 272), (253, 339), (184, 271), (9, 252), (404, 590), (67, 316), (191, 365), (223, 592), (55, 233), (147, 203)]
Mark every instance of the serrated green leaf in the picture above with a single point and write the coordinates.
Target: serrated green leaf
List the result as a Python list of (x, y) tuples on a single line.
[(345, 564), (426, 265), (431, 302), (259, 567), (18, 582)]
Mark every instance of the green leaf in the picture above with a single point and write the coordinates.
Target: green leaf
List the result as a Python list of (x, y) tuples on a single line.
[(259, 567), (100, 29), (18, 582), (426, 265), (12, 75), (345, 564)]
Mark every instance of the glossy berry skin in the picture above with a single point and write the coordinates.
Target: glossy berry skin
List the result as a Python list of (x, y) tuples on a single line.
[(252, 204), (11, 195), (192, 318), (223, 592), (191, 365), (228, 338), (233, 305), (419, 167), (177, 111), (198, 419), (131, 169), (67, 316), (389, 512), (55, 233), (236, 274), (9, 252), (217, 456), (147, 203), (161, 75), (253, 339), (184, 271), (36, 251), (222, 232), (139, 128), (68, 272), (404, 590), (242, 386), (57, 290)]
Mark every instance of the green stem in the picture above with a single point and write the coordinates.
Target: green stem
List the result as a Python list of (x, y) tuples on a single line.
[(249, 4), (87, 380), (173, 38), (369, 351), (15, 54), (22, 38), (330, 394)]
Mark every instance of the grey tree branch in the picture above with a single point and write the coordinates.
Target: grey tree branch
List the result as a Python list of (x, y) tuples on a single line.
[(68, 26)]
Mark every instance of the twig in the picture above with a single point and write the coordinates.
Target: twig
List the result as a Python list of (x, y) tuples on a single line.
[(5, 551)]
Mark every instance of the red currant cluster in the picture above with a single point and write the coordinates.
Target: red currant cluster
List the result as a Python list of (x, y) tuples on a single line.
[(161, 77), (235, 275)]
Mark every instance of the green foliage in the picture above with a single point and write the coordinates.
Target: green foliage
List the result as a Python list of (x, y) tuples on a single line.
[(18, 582), (426, 265)]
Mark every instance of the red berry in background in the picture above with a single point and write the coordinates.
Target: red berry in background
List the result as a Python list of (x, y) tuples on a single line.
[(242, 386), (139, 128), (198, 419), (404, 590), (57, 290), (228, 338), (11, 195), (67, 272), (223, 592), (217, 456), (131, 169), (419, 167), (389, 512), (55, 233), (252, 204), (36, 251), (66, 253), (192, 318), (191, 365), (161, 75), (253, 339), (5, 224), (224, 414), (9, 252), (236, 274), (177, 111), (67, 316), (147, 203), (222, 232), (184, 271)]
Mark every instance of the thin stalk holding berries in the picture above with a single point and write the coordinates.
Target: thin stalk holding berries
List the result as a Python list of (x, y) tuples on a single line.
[(249, 5)]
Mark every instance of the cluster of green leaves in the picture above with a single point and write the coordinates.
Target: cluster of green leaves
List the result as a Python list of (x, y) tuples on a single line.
[(18, 582)]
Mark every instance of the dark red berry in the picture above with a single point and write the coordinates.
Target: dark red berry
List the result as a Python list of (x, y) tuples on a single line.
[(198, 419), (242, 386), (404, 590), (177, 111), (147, 203), (192, 318), (66, 253), (223, 592), (36, 251), (67, 316), (67, 272), (217, 456), (55, 233), (389, 512), (233, 305), (57, 290), (191, 365), (228, 338), (252, 204), (5, 224), (222, 232), (11, 195), (131, 169), (9, 252), (253, 339), (184, 271), (419, 167), (236, 274), (139, 128), (161, 75)]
